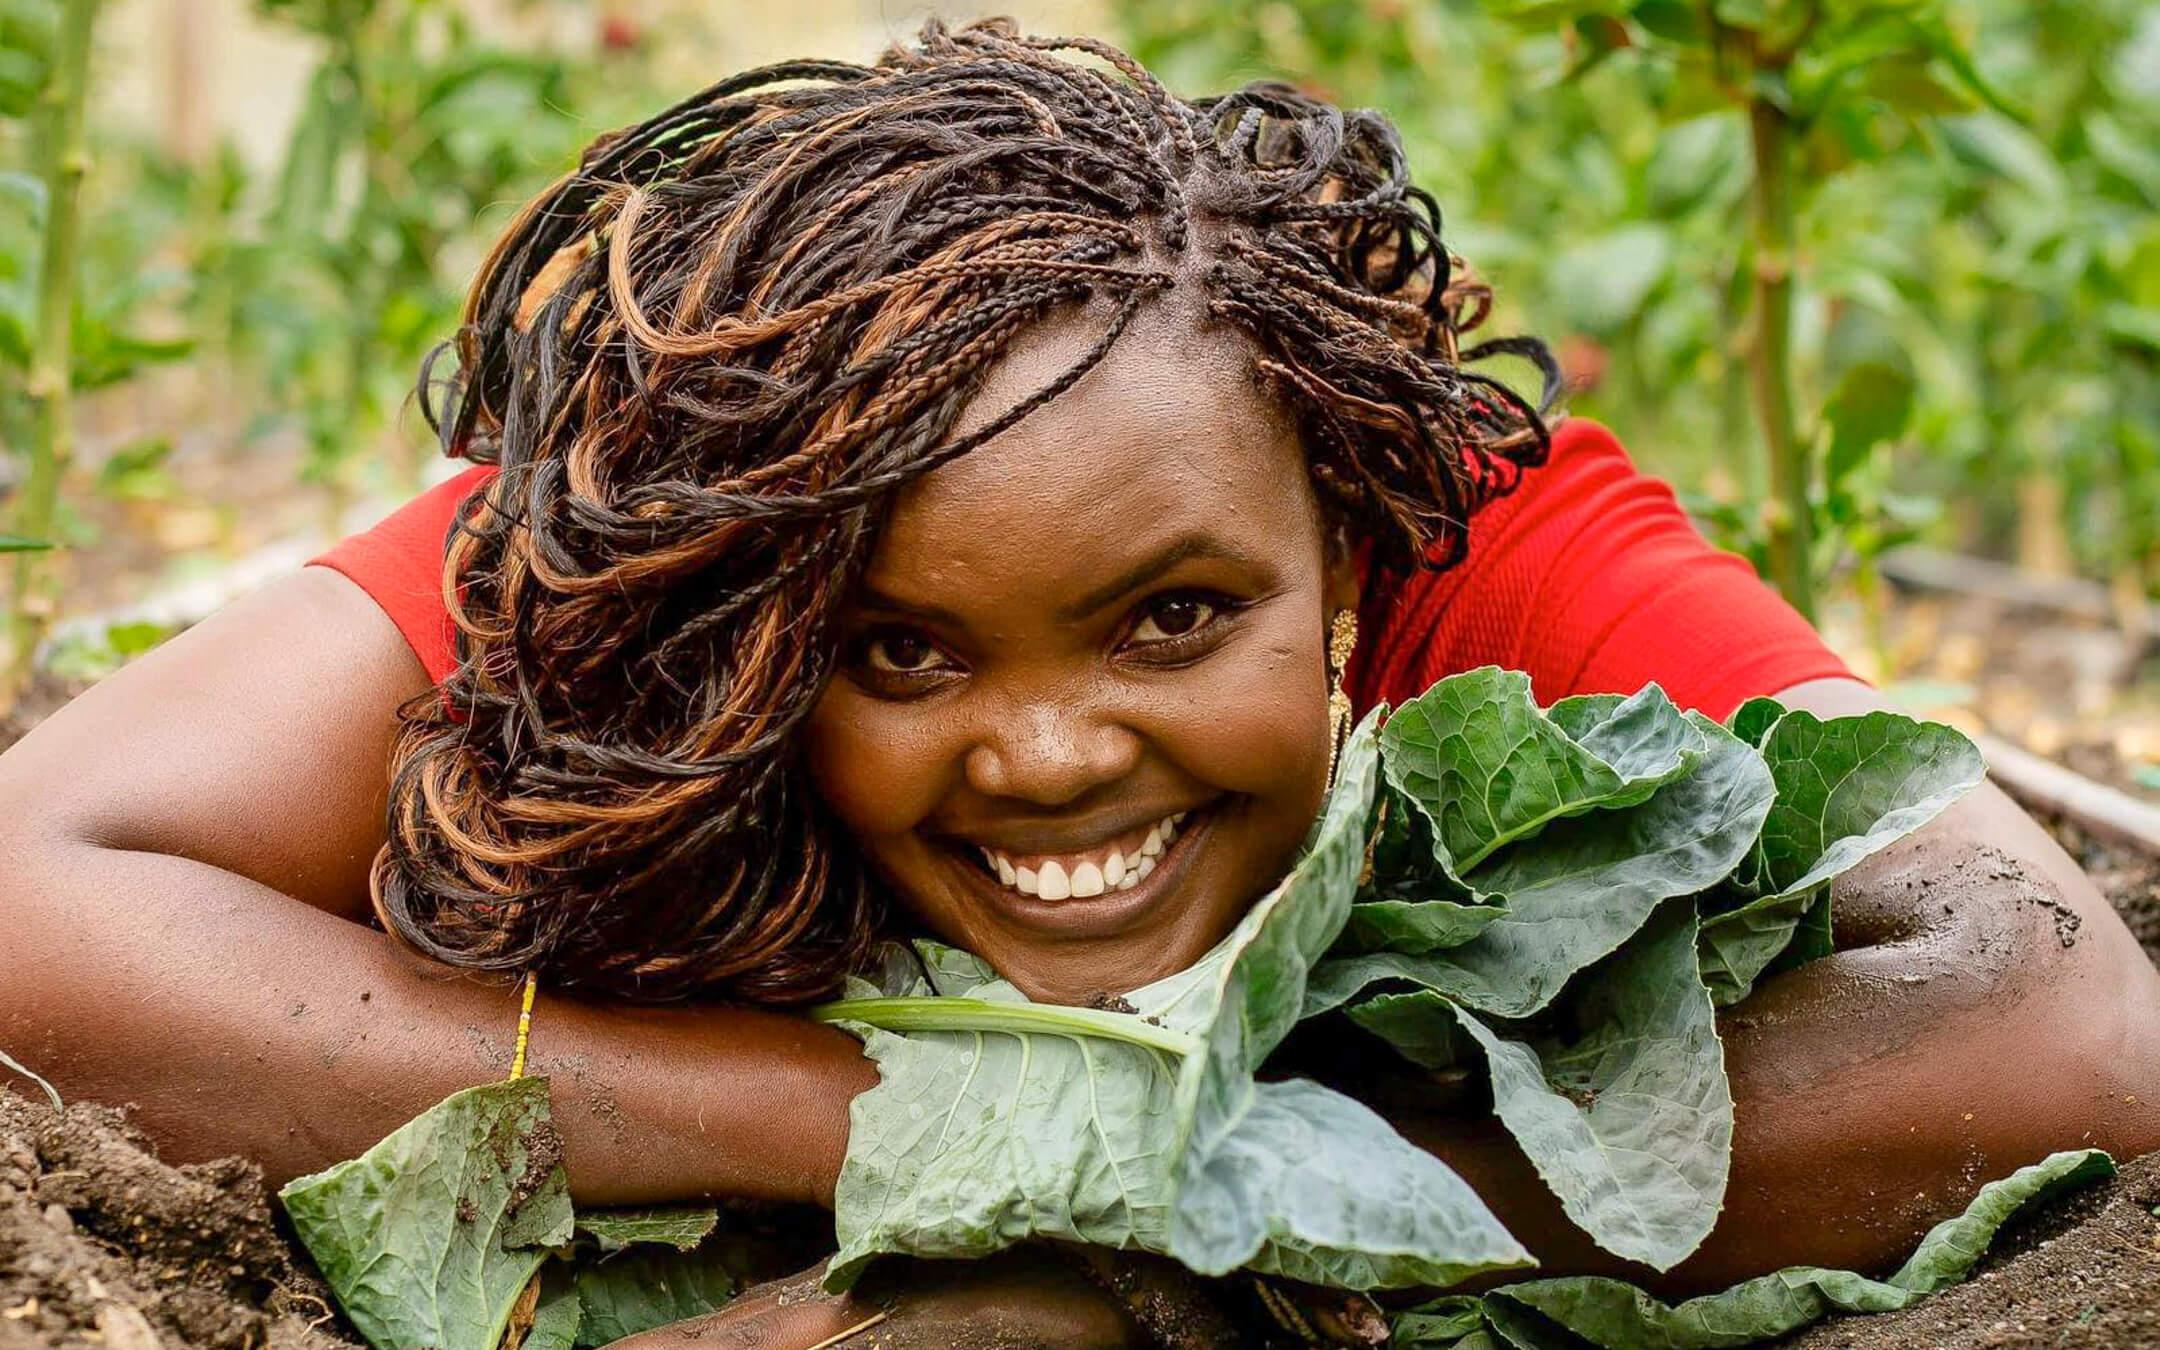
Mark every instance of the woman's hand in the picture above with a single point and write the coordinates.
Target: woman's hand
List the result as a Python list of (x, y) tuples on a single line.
[(1028, 1298)]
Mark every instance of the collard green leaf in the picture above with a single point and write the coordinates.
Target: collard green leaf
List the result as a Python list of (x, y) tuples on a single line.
[(557, 1315), (1614, 1314), (679, 1226), (628, 1292), (1846, 789), (1309, 1184), (1752, 720), (1421, 1025), (974, 1140), (1414, 926), (1630, 1122), (428, 1238), (1850, 786), (1488, 767), (1582, 888)]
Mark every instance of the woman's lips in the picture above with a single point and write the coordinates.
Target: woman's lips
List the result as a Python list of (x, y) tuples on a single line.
[(1148, 881)]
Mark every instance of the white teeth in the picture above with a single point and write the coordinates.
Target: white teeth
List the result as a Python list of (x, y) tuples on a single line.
[(1119, 869)]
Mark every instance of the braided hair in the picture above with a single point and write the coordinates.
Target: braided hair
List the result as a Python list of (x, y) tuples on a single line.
[(704, 362)]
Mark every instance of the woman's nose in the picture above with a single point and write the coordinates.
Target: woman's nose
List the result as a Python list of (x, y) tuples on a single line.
[(1050, 753)]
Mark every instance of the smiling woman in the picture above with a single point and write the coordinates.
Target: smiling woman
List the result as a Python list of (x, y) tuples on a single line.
[(920, 500), (777, 381)]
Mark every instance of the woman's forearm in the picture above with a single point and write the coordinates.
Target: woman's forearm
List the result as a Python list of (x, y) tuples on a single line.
[(240, 1021)]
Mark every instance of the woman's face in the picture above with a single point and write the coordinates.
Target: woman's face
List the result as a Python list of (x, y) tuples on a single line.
[(1082, 723)]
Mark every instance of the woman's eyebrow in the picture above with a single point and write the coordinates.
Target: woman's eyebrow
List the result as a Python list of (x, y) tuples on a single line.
[(1184, 548)]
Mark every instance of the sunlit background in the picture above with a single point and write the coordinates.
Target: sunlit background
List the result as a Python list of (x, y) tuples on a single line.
[(1953, 459)]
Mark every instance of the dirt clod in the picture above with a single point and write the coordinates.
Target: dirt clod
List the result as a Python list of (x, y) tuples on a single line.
[(100, 1242)]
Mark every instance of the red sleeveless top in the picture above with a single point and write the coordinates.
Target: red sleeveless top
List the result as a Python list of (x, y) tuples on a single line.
[(1589, 577)]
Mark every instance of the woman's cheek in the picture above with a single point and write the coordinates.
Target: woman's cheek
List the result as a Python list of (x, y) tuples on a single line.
[(872, 762), (1256, 725)]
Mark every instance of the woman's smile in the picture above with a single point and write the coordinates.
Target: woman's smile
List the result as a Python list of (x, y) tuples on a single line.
[(1095, 889)]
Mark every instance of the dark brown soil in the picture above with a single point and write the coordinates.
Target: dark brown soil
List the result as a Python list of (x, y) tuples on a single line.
[(39, 701), (2085, 1272), (2131, 881), (102, 1243)]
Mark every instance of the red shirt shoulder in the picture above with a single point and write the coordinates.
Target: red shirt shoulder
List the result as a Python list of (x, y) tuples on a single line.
[(399, 562), (1589, 576), (1592, 579)]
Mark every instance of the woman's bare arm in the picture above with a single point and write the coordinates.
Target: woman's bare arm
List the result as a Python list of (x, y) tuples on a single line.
[(183, 879), (1986, 1007)]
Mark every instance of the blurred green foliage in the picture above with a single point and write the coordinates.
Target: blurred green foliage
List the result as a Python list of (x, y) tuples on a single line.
[(1974, 247), (1976, 300)]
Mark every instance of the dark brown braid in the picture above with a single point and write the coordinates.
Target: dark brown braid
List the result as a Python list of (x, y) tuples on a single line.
[(706, 360)]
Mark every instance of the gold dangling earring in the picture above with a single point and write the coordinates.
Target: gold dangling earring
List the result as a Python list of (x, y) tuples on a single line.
[(1342, 640)]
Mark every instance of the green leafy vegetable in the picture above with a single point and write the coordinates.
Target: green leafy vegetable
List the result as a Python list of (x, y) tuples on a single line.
[(628, 1292), (1630, 1123), (1583, 886), (1616, 1315), (1846, 789), (979, 1137), (1487, 767), (1549, 899), (679, 1226), (428, 1238)]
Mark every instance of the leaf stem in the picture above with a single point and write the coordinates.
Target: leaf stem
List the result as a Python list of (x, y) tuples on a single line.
[(981, 1014)]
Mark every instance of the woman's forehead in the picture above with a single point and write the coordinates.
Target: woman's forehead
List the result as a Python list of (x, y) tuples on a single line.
[(1169, 436)]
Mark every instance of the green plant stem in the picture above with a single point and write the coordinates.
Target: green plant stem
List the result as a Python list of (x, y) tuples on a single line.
[(982, 1014), (65, 158), (1770, 356), (1736, 436)]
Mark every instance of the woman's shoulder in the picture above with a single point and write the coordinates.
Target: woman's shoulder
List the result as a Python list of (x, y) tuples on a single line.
[(1591, 577), (399, 563)]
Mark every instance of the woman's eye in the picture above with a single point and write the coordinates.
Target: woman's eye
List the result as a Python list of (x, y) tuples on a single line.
[(1173, 617), (902, 654)]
